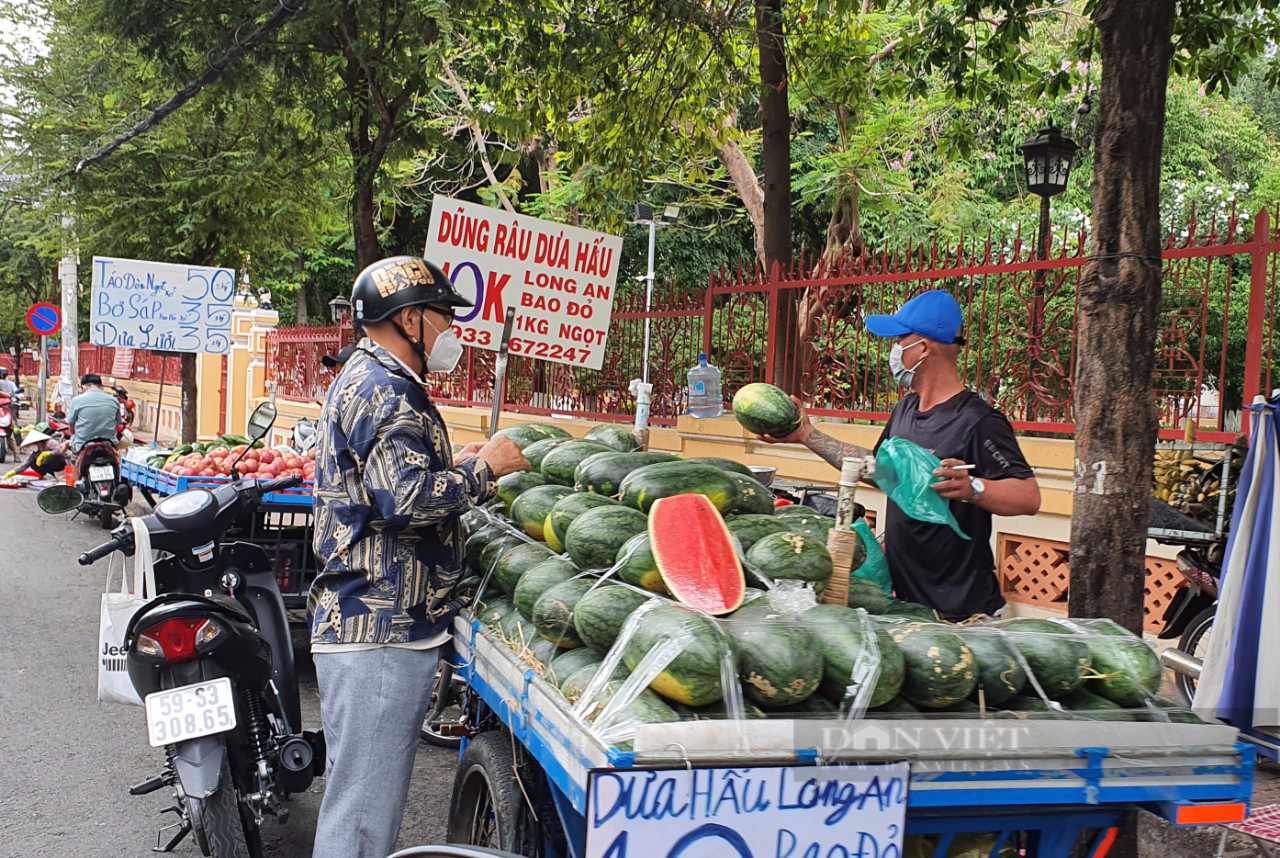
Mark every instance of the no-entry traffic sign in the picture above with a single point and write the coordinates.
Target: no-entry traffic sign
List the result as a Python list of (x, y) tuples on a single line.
[(44, 319)]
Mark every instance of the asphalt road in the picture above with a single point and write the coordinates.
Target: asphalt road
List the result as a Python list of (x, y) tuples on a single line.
[(66, 760)]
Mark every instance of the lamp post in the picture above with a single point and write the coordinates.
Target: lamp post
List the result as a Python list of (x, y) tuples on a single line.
[(340, 312), (641, 387), (1048, 158)]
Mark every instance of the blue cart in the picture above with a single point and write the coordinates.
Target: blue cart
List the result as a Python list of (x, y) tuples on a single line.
[(1041, 787)]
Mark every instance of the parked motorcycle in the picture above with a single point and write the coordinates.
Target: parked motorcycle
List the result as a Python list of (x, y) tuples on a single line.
[(212, 660), (104, 491)]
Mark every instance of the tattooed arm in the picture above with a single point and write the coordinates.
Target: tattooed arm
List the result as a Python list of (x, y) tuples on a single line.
[(833, 452)]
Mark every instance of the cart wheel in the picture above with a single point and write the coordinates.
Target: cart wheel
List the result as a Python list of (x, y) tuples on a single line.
[(1195, 642), (488, 807)]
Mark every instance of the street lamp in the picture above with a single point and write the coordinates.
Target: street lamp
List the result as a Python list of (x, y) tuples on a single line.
[(642, 388), (340, 310), (1048, 162), (645, 214)]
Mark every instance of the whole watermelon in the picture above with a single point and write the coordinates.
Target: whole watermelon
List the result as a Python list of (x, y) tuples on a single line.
[(593, 539), (525, 434), (754, 498), (779, 661), (603, 474), (568, 661), (553, 612), (843, 640), (750, 529), (644, 486), (637, 566), (538, 580), (791, 557), (940, 669), (600, 615), (559, 465), (693, 676), (565, 511), (531, 508), (512, 486), (517, 560), (612, 435), (537, 451), (727, 465), (766, 410)]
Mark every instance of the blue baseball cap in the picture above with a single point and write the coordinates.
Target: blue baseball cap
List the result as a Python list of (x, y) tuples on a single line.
[(934, 314)]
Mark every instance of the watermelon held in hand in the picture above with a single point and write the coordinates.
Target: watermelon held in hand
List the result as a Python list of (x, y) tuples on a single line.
[(695, 554), (766, 410)]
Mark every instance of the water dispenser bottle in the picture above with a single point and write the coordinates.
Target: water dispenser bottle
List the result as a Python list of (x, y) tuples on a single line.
[(706, 398)]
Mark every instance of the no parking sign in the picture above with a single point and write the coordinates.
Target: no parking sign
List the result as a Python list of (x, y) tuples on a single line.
[(44, 319)]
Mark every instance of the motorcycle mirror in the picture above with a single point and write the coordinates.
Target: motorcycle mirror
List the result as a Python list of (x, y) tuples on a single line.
[(261, 420), (59, 499)]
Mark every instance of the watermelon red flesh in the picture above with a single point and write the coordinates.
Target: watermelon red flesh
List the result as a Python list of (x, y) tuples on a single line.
[(695, 554)]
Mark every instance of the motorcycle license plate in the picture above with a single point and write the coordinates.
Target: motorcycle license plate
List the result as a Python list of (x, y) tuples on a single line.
[(190, 712), (101, 473)]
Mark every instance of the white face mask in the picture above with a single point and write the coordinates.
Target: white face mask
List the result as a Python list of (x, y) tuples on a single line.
[(446, 351), (903, 374)]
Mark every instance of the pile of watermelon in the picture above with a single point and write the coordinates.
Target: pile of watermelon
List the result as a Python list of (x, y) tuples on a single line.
[(607, 554)]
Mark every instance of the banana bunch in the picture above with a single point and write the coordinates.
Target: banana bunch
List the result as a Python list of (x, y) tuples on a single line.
[(1193, 485)]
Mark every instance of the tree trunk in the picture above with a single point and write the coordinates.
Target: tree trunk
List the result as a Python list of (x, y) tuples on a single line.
[(189, 400), (363, 221), (776, 120), (1119, 304)]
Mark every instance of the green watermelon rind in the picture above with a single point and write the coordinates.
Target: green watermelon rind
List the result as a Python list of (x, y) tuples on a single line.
[(531, 508), (841, 636), (559, 465), (603, 473), (749, 528), (537, 451), (635, 564), (517, 560), (569, 508), (1000, 674), (754, 497), (939, 668), (537, 580), (720, 463), (694, 676), (593, 539), (1058, 660), (612, 435), (791, 556), (570, 660), (553, 612), (645, 485), (599, 615), (779, 662)]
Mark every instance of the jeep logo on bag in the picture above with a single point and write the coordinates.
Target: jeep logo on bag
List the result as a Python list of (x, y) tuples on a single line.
[(113, 657)]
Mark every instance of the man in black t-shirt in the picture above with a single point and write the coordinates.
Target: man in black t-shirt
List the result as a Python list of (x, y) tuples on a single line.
[(930, 563)]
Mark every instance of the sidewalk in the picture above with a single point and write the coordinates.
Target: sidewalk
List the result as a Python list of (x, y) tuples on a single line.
[(1159, 839)]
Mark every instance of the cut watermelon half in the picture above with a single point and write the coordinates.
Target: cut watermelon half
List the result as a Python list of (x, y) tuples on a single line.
[(695, 554)]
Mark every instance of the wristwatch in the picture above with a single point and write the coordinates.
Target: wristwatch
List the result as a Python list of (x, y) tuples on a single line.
[(978, 487)]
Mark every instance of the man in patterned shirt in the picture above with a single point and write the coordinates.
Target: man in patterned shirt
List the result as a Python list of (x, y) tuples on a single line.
[(388, 496)]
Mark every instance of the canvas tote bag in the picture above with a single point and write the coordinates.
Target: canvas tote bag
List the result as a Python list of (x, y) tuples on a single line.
[(118, 607)]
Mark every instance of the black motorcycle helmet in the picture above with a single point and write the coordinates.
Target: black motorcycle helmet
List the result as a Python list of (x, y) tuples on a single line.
[(397, 282)]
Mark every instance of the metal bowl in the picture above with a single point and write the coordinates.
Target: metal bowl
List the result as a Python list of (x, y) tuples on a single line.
[(763, 473)]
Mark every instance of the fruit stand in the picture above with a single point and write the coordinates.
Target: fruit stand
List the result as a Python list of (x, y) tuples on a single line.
[(663, 657), (282, 526)]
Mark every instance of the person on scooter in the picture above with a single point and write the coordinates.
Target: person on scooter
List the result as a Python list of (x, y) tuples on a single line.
[(388, 496), (93, 415)]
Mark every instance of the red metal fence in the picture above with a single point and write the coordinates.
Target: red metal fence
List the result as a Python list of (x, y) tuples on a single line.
[(146, 365), (1215, 335)]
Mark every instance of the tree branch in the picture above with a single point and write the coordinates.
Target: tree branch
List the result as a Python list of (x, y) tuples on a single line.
[(477, 133)]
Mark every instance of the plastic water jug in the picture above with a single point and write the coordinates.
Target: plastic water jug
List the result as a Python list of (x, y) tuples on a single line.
[(706, 398)]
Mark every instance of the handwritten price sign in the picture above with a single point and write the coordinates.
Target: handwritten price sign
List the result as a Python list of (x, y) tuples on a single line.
[(795, 812), (156, 305), (559, 278)]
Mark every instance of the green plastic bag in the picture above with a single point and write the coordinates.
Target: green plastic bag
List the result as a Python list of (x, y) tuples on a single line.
[(904, 472), (875, 568)]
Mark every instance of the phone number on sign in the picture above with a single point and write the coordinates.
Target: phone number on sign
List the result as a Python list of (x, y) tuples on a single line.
[(529, 348)]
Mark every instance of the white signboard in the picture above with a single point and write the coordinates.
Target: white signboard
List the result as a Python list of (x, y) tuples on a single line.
[(156, 305), (559, 278), (790, 812)]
